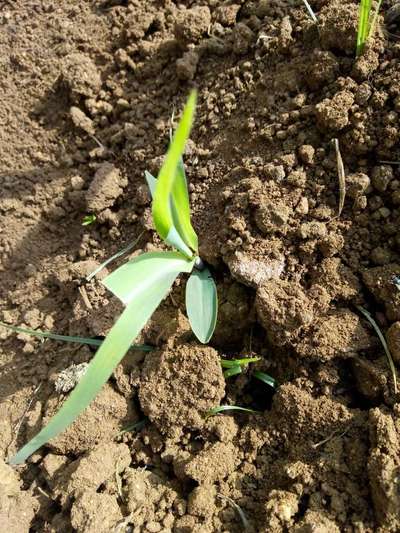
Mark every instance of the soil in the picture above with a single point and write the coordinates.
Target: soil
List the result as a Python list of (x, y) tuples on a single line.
[(88, 92)]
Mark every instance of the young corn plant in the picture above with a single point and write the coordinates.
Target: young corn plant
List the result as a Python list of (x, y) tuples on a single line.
[(366, 23), (142, 283)]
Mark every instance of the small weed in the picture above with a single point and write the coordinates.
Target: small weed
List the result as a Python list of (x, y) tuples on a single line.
[(142, 283), (235, 366), (88, 219), (267, 379)]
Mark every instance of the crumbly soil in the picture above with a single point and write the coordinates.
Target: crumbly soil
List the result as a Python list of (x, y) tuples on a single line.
[(88, 90)]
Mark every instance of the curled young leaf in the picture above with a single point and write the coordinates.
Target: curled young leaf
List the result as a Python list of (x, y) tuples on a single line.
[(171, 183)]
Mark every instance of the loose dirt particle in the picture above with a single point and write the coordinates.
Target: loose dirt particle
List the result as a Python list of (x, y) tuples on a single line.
[(106, 187)]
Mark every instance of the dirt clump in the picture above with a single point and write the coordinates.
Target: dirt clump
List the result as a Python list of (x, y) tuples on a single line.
[(106, 186), (393, 340), (81, 75), (284, 308), (333, 113), (91, 470), (150, 499), (298, 411), (94, 512), (179, 386), (383, 466), (214, 463), (17, 506), (379, 281), (337, 26), (338, 334)]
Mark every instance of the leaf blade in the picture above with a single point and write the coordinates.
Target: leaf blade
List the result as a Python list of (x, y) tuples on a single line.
[(202, 304), (110, 353), (144, 270)]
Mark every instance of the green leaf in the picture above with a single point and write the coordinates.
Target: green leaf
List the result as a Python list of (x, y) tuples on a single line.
[(162, 212), (144, 272), (363, 25), (265, 378), (88, 219), (146, 299), (202, 304), (229, 363), (67, 338), (233, 371)]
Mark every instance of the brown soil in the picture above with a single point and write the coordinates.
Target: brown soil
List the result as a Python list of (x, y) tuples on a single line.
[(88, 90)]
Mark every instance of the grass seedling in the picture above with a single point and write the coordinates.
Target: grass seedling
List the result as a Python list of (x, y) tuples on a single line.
[(235, 366), (383, 342), (88, 219), (142, 283), (366, 24), (67, 338)]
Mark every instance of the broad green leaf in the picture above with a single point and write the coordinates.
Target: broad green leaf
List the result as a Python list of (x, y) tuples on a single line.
[(179, 196), (68, 338), (181, 208), (125, 330), (162, 212), (144, 272), (202, 304)]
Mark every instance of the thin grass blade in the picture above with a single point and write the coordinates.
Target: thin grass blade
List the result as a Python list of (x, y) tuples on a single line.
[(202, 304), (384, 344), (310, 12), (124, 250), (107, 357), (223, 408), (266, 378), (375, 19), (68, 338)]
